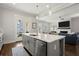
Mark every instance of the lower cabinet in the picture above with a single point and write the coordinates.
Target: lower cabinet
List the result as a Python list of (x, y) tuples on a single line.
[(25, 40), (1, 45), (32, 44), (1, 41), (56, 48), (53, 48), (40, 48), (29, 44)]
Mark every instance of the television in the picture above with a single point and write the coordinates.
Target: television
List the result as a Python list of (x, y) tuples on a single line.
[(64, 24)]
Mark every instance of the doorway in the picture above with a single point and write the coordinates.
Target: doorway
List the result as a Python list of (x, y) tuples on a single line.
[(19, 29)]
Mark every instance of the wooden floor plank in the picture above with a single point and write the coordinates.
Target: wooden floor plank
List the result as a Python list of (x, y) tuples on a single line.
[(7, 48)]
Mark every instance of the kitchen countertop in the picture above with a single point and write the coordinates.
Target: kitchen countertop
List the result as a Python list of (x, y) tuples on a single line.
[(45, 37)]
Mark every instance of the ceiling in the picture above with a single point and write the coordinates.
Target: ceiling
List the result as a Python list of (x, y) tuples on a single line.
[(36, 8)]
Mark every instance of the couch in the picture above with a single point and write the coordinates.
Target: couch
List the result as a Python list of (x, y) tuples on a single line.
[(71, 38)]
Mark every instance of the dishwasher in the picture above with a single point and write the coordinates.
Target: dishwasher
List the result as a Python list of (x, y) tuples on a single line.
[(40, 49)]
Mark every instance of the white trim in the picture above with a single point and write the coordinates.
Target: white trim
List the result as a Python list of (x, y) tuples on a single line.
[(11, 41)]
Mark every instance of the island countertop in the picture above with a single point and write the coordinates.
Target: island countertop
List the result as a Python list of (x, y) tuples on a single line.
[(45, 37)]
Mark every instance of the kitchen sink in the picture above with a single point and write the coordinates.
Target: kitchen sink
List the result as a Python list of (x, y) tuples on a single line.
[(33, 34)]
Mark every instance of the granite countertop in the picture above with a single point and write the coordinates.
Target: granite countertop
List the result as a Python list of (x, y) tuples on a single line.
[(45, 37)]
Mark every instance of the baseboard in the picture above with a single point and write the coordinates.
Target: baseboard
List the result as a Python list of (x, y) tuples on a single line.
[(12, 41)]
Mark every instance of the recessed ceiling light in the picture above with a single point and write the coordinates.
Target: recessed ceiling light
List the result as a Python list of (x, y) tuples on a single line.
[(47, 6)]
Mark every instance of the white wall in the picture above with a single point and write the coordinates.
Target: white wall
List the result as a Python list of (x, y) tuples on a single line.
[(0, 22), (8, 21)]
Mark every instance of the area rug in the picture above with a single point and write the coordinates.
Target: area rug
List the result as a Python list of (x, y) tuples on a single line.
[(19, 51)]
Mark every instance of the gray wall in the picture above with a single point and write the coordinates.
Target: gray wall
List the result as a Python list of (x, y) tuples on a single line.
[(75, 24)]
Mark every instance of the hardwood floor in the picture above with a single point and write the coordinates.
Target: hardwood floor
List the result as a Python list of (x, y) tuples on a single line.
[(7, 48), (70, 50)]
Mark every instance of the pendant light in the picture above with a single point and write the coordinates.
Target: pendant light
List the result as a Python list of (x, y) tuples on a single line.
[(49, 10), (37, 8)]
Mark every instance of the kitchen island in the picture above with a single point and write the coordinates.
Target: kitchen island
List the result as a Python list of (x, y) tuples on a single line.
[(44, 44)]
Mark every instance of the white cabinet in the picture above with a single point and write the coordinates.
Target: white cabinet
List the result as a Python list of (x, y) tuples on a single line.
[(32, 43), (34, 46), (40, 49), (56, 48), (25, 41), (1, 40), (29, 43), (1, 45), (53, 48)]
